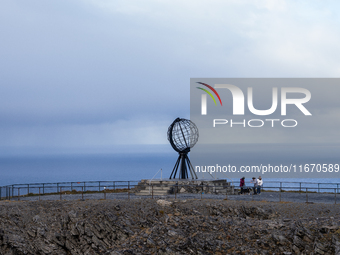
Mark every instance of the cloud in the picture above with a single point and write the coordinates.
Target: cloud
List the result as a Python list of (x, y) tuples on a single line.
[(84, 66), (94, 136)]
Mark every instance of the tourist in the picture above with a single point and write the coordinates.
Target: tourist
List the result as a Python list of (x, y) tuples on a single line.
[(242, 184), (254, 181), (259, 185)]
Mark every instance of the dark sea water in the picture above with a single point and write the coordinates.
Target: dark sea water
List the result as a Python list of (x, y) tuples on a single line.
[(17, 169), (87, 167)]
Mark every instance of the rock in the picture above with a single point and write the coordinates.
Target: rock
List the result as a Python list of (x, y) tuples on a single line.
[(41, 232), (114, 253), (182, 190), (320, 248), (326, 229), (149, 241), (36, 218), (296, 250), (318, 251), (163, 202), (336, 248), (172, 233), (141, 227), (280, 239)]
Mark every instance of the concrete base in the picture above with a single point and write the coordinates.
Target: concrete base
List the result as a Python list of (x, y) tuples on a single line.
[(164, 187)]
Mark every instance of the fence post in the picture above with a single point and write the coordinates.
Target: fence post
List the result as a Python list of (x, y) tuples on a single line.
[(152, 191), (18, 194), (99, 186), (12, 191), (39, 192), (28, 189), (84, 187), (82, 193), (335, 196), (280, 193), (337, 188), (60, 192), (318, 187), (300, 187), (306, 195), (57, 187), (104, 194), (128, 194)]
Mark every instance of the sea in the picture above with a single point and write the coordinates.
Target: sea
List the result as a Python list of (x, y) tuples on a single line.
[(83, 167), (53, 168)]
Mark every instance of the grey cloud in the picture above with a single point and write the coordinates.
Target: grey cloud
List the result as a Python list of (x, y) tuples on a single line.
[(92, 63)]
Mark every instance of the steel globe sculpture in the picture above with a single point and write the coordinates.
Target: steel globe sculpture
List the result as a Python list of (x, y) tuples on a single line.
[(183, 135)]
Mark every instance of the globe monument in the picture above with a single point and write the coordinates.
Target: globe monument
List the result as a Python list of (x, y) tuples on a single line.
[(183, 135)]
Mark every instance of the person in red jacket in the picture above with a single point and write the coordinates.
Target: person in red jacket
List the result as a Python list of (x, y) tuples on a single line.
[(242, 184)]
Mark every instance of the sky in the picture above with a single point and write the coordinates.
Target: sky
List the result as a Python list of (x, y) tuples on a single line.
[(102, 75)]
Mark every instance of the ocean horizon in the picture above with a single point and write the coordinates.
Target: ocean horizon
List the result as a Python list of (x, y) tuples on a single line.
[(52, 168)]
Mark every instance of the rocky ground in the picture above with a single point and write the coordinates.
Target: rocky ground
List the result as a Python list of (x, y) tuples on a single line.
[(146, 226)]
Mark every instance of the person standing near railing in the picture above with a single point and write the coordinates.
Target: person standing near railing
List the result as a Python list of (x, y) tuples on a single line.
[(254, 181), (259, 185)]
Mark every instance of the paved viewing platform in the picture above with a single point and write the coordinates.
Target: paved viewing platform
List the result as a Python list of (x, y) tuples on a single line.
[(170, 189), (265, 196)]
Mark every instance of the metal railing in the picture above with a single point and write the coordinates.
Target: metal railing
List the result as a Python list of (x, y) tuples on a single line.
[(301, 186), (124, 189), (310, 194), (41, 189)]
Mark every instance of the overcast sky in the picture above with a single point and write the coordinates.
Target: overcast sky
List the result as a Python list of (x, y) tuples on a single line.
[(99, 74)]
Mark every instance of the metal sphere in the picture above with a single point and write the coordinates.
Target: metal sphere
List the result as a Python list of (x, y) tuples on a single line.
[(182, 135)]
